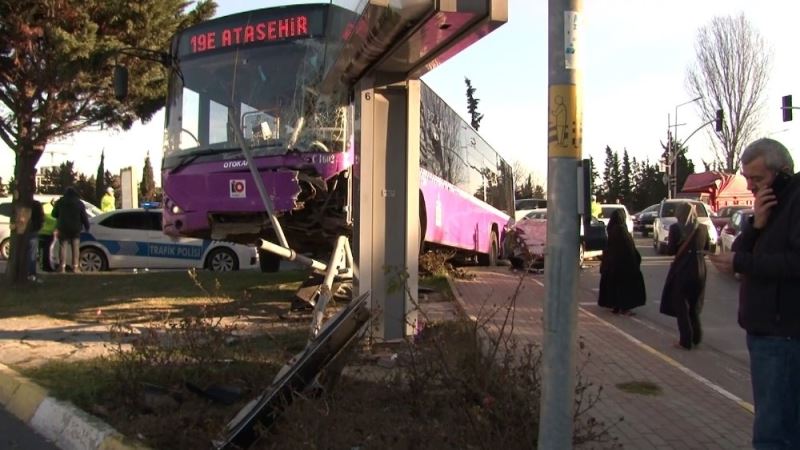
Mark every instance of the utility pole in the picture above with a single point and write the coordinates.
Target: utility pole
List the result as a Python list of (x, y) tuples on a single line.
[(678, 145), (669, 158), (565, 129)]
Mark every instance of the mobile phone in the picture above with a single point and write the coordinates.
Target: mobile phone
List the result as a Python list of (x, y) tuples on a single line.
[(781, 180)]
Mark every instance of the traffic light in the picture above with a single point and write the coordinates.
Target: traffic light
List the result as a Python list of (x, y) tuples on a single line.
[(718, 121), (786, 103)]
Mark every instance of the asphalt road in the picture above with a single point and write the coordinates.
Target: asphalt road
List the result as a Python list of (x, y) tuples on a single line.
[(721, 358), (16, 435)]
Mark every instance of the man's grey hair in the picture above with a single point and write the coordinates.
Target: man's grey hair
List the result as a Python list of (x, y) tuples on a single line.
[(776, 156)]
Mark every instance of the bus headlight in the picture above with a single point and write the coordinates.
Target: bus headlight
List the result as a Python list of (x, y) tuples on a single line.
[(176, 209)]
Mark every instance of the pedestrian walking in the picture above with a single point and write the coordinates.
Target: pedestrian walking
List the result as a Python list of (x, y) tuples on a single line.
[(684, 288), (70, 214), (621, 282), (32, 235), (108, 202), (767, 256)]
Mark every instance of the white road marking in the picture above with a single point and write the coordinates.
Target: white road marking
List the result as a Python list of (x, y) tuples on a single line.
[(718, 389)]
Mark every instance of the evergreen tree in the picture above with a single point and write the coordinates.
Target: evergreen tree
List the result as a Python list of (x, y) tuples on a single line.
[(57, 61), (86, 188), (604, 191), (147, 188), (625, 179), (538, 192), (472, 105), (100, 186), (594, 178), (3, 189)]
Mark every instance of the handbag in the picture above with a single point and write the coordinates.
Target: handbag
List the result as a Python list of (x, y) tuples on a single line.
[(666, 307), (685, 244)]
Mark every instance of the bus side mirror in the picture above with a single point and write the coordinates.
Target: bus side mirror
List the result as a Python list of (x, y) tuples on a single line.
[(120, 82)]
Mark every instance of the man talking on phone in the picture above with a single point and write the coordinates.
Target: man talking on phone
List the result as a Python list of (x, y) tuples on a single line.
[(767, 255)]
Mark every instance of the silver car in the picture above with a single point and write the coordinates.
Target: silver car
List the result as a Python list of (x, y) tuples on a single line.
[(733, 228)]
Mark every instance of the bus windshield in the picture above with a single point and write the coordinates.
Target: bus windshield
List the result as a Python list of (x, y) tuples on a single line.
[(268, 92)]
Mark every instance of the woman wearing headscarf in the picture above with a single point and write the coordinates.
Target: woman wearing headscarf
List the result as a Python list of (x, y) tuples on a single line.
[(621, 282), (685, 285)]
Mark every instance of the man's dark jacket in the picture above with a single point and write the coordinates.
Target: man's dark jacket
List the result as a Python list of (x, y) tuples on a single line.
[(769, 262), (70, 213)]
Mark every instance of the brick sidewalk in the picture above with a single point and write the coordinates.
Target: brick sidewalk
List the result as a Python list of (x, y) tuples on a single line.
[(689, 413)]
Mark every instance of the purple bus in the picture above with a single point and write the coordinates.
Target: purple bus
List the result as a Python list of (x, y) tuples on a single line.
[(259, 74)]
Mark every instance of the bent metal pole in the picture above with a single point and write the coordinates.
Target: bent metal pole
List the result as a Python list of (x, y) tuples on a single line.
[(561, 264)]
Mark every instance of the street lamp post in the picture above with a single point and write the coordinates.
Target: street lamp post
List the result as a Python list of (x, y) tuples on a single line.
[(674, 150)]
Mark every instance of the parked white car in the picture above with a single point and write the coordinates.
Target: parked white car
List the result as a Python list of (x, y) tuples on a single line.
[(5, 219), (666, 217), (525, 205), (133, 238), (733, 228), (606, 210)]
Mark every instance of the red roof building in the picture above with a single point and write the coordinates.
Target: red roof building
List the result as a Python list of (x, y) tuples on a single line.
[(717, 189)]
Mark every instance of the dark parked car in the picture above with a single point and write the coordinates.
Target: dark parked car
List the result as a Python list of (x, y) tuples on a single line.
[(643, 220)]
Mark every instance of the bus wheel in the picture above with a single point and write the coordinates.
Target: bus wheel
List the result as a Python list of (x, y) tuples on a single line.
[(490, 259)]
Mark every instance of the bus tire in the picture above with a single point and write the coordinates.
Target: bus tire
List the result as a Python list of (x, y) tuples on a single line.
[(490, 259)]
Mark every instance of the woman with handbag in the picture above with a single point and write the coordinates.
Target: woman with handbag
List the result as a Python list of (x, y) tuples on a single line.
[(685, 285)]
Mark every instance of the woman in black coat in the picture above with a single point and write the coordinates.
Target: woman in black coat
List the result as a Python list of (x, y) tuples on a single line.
[(621, 282), (685, 285)]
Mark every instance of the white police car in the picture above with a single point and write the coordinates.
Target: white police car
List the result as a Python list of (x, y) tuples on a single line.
[(133, 238)]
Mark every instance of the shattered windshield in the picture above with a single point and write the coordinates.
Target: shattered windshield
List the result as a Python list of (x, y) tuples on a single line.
[(266, 90)]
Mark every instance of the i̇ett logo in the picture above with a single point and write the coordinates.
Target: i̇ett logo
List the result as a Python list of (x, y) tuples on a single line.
[(238, 189)]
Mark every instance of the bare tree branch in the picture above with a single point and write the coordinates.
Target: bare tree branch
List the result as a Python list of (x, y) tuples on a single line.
[(730, 73)]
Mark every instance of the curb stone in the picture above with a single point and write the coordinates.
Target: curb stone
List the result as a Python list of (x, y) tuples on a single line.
[(61, 422)]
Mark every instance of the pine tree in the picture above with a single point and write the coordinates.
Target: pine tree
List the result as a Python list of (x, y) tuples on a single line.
[(86, 188), (147, 188), (594, 178), (625, 179), (472, 105), (604, 191), (100, 186)]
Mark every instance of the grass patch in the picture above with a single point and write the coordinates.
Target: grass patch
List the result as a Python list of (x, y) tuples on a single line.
[(640, 388), (144, 296)]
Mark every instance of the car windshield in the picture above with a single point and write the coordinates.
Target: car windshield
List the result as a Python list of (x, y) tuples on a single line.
[(607, 211), (668, 209)]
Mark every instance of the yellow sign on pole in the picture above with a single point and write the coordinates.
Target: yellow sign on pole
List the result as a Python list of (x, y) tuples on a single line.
[(565, 122)]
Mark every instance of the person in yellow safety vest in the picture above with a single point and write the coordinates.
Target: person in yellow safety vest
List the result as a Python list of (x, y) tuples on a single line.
[(108, 201), (595, 207), (46, 235)]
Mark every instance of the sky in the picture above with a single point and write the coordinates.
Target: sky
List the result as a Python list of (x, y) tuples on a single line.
[(634, 55)]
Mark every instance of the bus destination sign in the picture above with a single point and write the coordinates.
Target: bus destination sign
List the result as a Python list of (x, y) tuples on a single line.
[(252, 32)]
